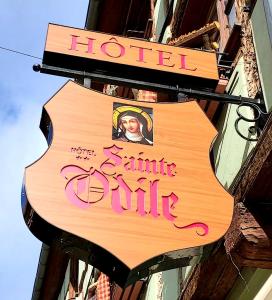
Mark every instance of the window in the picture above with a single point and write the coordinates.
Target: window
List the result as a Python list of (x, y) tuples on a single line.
[(232, 17), (230, 11)]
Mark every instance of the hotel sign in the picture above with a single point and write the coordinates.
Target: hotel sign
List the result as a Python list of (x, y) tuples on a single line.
[(131, 180), (90, 51)]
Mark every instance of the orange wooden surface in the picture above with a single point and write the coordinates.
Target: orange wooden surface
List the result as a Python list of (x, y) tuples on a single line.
[(59, 40), (182, 135)]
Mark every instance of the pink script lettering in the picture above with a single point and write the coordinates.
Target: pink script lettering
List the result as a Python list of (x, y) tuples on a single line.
[(84, 188)]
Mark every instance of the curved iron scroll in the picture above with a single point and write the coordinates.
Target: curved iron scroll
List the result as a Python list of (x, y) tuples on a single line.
[(258, 116)]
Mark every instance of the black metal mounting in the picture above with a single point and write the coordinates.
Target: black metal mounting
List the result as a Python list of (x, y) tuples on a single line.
[(258, 120), (183, 94), (258, 107)]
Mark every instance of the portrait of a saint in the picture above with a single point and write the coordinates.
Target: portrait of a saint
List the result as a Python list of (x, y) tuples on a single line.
[(132, 124)]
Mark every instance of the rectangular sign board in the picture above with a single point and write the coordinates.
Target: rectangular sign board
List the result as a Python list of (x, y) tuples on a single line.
[(90, 51)]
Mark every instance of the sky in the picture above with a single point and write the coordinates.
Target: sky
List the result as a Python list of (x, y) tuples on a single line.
[(23, 26)]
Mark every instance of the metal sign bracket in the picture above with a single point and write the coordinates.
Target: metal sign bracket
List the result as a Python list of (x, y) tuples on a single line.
[(184, 94)]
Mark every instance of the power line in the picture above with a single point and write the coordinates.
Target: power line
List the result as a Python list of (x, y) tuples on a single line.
[(18, 52)]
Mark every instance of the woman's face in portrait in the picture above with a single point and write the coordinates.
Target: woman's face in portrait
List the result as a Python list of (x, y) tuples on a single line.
[(130, 124)]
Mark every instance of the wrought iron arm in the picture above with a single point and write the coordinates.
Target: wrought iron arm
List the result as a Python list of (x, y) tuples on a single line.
[(258, 121), (184, 94)]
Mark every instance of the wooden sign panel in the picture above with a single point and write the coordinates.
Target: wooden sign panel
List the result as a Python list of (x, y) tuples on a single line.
[(92, 51), (131, 179)]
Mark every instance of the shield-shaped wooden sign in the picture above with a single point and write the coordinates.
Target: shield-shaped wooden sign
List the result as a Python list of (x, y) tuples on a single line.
[(127, 185)]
